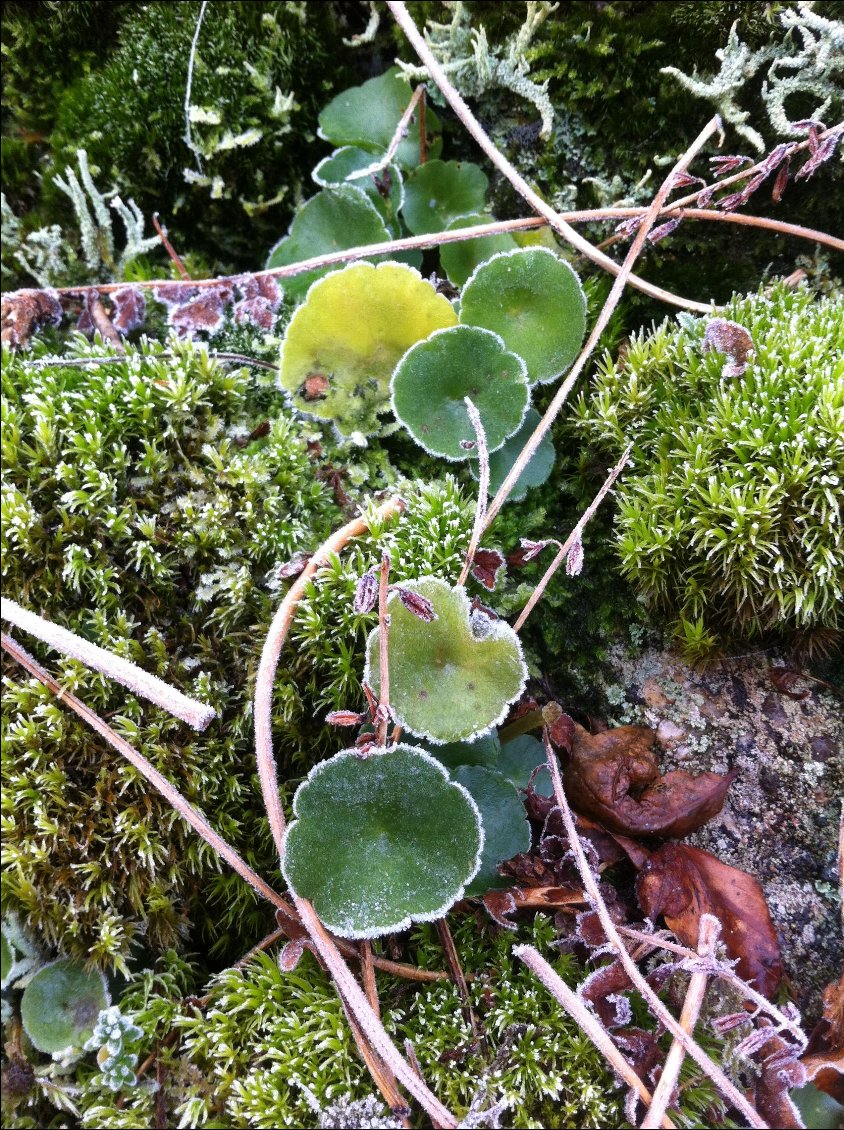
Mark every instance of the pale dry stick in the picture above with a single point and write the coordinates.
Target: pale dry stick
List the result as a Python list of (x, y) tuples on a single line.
[(395, 141), (354, 997), (140, 682), (383, 653), (590, 1024), (170, 249), (170, 793), (273, 644), (658, 1009), (367, 974), (601, 321), (471, 124), (384, 1079), (189, 85), (457, 974), (459, 235), (103, 323), (573, 537), (710, 928), (483, 489), (112, 359)]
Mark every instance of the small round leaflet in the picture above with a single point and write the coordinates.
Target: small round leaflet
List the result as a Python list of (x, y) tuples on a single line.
[(60, 1005), (535, 302), (433, 379), (343, 342), (439, 191), (381, 841), (460, 259), (446, 683)]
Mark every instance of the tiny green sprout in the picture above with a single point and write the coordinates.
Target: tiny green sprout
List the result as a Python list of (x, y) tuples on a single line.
[(502, 460), (61, 1004), (367, 116), (333, 220), (381, 841), (446, 683), (111, 1039), (344, 341), (459, 260), (433, 379), (439, 191), (535, 302), (506, 828)]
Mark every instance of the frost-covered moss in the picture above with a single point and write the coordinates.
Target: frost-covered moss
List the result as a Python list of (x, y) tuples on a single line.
[(730, 517)]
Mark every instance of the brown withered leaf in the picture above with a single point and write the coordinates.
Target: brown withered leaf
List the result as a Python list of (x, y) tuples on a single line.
[(683, 883), (129, 309), (605, 989), (501, 905), (485, 567), (614, 777), (824, 1056), (26, 311), (779, 1072)]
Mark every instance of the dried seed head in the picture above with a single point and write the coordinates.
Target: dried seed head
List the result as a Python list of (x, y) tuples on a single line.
[(345, 718), (529, 550), (727, 164), (298, 561), (420, 606), (656, 234), (733, 340), (366, 594), (574, 559)]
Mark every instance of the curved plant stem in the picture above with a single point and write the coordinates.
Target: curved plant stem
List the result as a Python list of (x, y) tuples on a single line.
[(483, 490), (587, 1020), (601, 321), (710, 928), (383, 653), (273, 644), (170, 249), (399, 133), (140, 682), (573, 537), (660, 1012), (471, 124)]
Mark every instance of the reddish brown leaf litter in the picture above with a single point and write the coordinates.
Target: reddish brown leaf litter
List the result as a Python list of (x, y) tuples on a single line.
[(485, 566), (24, 312)]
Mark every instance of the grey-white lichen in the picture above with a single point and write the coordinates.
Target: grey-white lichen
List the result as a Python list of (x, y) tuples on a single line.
[(812, 67), (465, 54)]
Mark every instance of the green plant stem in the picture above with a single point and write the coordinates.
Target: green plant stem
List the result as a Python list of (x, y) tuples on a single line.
[(660, 1012), (601, 321), (573, 537), (533, 720)]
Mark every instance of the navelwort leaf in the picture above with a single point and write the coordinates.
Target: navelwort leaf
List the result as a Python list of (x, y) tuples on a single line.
[(439, 191), (460, 259), (343, 342), (60, 1005), (446, 684), (535, 302), (385, 189), (506, 827), (435, 376), (382, 841)]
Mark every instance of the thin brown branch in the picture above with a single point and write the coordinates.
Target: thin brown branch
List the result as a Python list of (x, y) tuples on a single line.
[(457, 975), (603, 318), (170, 249), (573, 537), (383, 711), (658, 1009), (103, 323), (367, 973), (384, 1079), (590, 1024), (710, 929), (396, 140), (273, 644)]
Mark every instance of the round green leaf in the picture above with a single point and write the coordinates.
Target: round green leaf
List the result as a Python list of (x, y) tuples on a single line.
[(460, 259), (60, 1005), (535, 302), (385, 189), (381, 841), (333, 220), (484, 750), (506, 827), (343, 342), (518, 760), (447, 683), (501, 461), (434, 377), (367, 116), (439, 191)]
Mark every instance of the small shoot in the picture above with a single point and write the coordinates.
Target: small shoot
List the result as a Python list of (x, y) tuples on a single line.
[(504, 459), (60, 1005), (534, 300), (437, 192), (411, 841), (506, 827), (447, 683), (433, 379)]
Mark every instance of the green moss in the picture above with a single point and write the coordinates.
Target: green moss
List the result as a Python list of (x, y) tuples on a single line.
[(730, 516)]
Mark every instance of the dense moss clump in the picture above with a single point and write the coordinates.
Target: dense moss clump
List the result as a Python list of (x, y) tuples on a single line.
[(730, 518), (133, 515)]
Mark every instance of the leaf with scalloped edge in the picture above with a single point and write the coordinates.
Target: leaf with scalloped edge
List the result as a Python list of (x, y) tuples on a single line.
[(435, 376), (343, 342), (439, 191), (367, 115), (506, 827), (333, 220), (61, 1003), (459, 260), (385, 189), (483, 750), (381, 841), (446, 683), (534, 300)]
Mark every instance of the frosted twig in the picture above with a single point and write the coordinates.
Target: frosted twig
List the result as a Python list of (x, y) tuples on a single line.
[(710, 928), (383, 712), (170, 249), (483, 489), (594, 1029), (189, 86), (196, 714), (273, 644), (660, 1012), (102, 322), (573, 537), (395, 141)]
